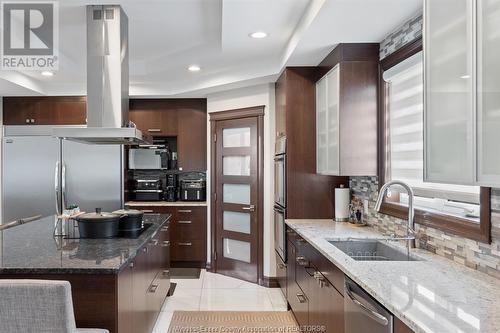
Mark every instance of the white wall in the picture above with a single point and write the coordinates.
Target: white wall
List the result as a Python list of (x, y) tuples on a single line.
[(242, 98)]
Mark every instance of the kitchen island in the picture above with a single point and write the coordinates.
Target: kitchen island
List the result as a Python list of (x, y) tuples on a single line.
[(118, 284)]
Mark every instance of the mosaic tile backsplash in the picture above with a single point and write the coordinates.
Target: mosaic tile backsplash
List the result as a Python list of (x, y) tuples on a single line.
[(408, 32), (473, 254)]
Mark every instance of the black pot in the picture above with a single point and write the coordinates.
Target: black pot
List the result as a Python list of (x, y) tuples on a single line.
[(130, 220), (98, 224)]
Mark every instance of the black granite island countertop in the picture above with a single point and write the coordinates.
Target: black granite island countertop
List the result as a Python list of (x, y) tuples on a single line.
[(32, 249)]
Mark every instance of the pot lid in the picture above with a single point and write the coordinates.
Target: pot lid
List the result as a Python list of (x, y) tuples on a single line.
[(98, 215), (129, 212)]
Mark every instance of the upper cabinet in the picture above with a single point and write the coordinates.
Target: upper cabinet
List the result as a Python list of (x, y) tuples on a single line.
[(54, 110), (185, 119), (488, 92), (462, 92), (346, 112)]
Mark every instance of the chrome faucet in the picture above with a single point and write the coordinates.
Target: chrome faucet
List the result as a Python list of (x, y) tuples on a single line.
[(410, 231)]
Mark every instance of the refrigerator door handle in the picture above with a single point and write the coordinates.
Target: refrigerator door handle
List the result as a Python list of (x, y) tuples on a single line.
[(56, 187), (63, 187)]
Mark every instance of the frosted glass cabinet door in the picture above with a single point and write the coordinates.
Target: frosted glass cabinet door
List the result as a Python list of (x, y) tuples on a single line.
[(449, 91), (488, 98), (333, 163), (321, 130)]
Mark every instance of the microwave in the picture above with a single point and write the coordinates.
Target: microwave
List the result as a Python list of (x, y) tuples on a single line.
[(148, 159)]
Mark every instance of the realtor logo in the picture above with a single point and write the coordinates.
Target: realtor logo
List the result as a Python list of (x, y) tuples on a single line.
[(30, 35)]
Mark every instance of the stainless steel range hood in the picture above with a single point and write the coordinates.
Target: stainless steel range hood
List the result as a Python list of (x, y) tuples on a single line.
[(107, 82)]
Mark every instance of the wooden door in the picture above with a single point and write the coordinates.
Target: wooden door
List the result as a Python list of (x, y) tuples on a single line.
[(237, 184)]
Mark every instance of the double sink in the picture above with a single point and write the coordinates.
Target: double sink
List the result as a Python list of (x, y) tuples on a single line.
[(372, 250)]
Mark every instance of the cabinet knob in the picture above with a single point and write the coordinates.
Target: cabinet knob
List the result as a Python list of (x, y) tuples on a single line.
[(153, 242), (32, 120), (131, 265), (27, 121), (145, 250), (165, 243)]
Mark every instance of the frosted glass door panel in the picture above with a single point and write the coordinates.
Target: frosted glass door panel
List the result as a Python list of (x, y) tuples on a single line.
[(488, 116), (236, 137), (321, 130), (237, 222), (236, 193), (333, 121), (237, 250), (236, 165), (449, 135)]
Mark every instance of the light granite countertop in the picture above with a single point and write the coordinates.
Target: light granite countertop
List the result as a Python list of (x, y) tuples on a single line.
[(432, 295), (166, 203)]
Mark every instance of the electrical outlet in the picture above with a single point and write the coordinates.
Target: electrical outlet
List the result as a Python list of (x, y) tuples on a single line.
[(365, 206)]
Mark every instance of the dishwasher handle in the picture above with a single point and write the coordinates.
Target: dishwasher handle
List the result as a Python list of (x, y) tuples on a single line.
[(372, 314)]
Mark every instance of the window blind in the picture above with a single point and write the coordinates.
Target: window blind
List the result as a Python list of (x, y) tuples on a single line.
[(405, 133)]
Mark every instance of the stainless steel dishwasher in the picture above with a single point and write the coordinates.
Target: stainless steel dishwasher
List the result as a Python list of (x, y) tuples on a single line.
[(363, 313)]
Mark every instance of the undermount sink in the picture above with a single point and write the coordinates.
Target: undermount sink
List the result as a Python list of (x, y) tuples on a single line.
[(369, 250)]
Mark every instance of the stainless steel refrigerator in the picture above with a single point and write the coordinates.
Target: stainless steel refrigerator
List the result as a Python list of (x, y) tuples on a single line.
[(42, 174)]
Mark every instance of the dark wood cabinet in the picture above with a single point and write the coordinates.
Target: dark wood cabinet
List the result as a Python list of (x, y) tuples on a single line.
[(281, 274), (53, 110), (400, 327), (185, 119), (188, 234), (309, 195)]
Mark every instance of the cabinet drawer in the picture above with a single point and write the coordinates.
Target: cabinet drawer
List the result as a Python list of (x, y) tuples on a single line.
[(192, 250), (185, 230), (191, 213), (299, 303)]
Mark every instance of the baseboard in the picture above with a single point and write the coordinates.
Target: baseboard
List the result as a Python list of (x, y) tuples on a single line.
[(269, 282), (188, 264)]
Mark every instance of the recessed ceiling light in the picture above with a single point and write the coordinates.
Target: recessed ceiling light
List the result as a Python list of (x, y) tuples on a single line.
[(194, 68), (258, 34), (47, 73)]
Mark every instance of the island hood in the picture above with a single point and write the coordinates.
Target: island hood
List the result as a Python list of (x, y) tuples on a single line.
[(107, 82)]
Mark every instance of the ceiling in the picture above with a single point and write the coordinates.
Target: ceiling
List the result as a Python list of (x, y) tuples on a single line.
[(166, 36)]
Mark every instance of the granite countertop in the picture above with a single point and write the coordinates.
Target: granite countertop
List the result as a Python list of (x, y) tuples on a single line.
[(166, 203), (32, 248), (432, 295)]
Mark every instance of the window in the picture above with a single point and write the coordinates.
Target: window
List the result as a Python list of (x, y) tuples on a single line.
[(460, 209)]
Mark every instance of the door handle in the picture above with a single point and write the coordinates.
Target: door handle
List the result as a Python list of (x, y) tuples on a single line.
[(63, 186), (373, 314), (250, 208), (56, 187)]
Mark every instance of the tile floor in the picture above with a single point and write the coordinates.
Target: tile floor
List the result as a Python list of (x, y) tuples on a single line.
[(215, 292)]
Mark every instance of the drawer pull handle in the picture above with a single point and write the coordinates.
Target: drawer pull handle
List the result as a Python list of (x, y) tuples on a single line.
[(154, 130), (147, 210), (185, 244), (166, 273), (321, 279), (164, 229), (153, 288), (301, 298), (154, 242), (185, 211), (165, 244), (131, 265), (184, 222), (302, 261)]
